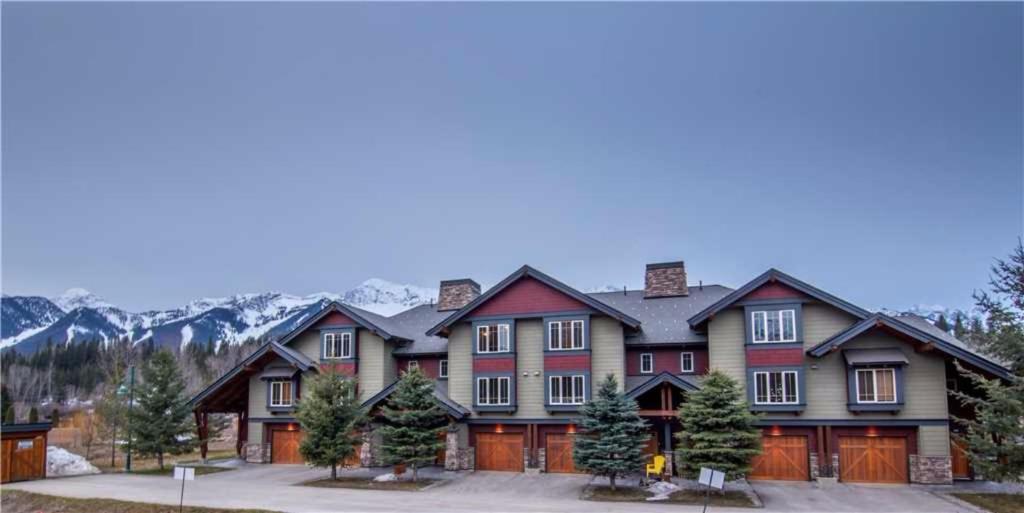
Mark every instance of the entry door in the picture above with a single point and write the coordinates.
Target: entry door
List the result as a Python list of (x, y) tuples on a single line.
[(558, 453), (285, 446), (499, 451), (873, 459), (961, 465), (783, 458)]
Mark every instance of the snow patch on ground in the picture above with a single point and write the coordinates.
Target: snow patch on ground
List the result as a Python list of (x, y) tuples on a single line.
[(63, 463), (186, 336), (661, 490), (390, 476)]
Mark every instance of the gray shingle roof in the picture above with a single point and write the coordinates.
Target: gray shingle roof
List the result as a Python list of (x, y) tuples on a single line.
[(413, 325), (663, 320)]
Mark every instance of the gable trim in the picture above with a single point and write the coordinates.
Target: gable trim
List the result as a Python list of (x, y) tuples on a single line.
[(527, 271), (451, 407), (274, 347), (335, 306), (664, 377)]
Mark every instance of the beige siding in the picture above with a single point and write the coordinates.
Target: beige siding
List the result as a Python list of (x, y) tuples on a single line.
[(726, 350), (307, 343), (255, 433), (608, 351), (376, 364), (460, 365), (822, 321), (257, 397), (933, 441), (530, 360)]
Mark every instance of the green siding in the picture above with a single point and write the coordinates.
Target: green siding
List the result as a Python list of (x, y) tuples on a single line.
[(530, 360), (608, 351), (307, 343), (822, 321), (376, 364), (933, 441), (255, 433), (460, 365), (726, 350)]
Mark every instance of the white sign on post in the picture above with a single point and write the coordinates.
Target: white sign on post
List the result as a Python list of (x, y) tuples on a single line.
[(184, 473), (712, 478)]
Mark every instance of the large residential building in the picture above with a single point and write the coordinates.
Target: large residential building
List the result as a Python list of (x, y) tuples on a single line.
[(842, 392)]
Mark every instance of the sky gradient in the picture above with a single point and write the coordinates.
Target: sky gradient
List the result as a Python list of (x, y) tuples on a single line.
[(157, 153)]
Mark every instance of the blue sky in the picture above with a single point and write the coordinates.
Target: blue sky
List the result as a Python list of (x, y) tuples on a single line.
[(157, 153)]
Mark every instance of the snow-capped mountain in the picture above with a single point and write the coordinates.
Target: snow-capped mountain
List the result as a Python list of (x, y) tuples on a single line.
[(930, 312), (77, 315)]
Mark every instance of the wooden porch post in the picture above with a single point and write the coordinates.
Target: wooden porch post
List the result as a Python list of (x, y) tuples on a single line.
[(243, 431), (201, 430)]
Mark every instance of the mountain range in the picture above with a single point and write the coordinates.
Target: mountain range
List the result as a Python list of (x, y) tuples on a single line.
[(28, 322)]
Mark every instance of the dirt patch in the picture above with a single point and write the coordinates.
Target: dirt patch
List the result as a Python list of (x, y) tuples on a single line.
[(730, 499), (995, 502), (167, 471), (362, 483), (17, 501)]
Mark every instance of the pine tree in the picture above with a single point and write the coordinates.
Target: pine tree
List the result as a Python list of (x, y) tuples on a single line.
[(9, 415), (613, 435), (331, 416), (33, 415), (718, 429), (958, 326), (993, 436), (6, 403), (942, 323), (160, 421), (413, 423), (55, 417), (111, 417)]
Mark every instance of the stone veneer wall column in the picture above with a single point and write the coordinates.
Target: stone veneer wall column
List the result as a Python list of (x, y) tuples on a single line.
[(255, 453), (455, 457), (931, 469), (815, 470)]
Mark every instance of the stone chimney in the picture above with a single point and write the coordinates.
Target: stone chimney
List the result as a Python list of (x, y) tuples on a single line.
[(665, 280), (455, 294)]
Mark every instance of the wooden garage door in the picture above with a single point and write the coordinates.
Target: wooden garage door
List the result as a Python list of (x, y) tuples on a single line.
[(872, 459), (499, 451), (558, 453), (783, 458), (961, 464), (285, 446), (23, 459)]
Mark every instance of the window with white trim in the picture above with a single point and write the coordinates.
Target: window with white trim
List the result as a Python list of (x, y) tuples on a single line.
[(776, 387), (566, 389), (412, 365), (442, 371), (773, 326), (280, 393), (876, 385), (493, 391), (686, 362), (565, 335), (646, 363), (493, 338), (338, 345)]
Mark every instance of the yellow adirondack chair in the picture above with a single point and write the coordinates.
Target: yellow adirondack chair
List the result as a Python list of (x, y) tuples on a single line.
[(657, 468)]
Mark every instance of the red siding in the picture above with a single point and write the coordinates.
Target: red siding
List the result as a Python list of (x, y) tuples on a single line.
[(334, 319), (431, 365), (528, 296), (757, 357), (346, 369), (774, 290), (555, 361), (494, 365), (666, 360)]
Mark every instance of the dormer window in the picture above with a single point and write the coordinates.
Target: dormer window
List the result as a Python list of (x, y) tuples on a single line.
[(280, 394), (492, 338), (565, 335), (876, 386), (773, 326), (338, 345)]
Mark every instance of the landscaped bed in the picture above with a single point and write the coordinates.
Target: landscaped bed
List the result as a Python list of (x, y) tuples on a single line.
[(201, 470), (17, 501), (731, 498), (995, 502), (364, 483)]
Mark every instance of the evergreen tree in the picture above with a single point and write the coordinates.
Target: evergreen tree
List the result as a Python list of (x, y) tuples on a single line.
[(33, 415), (718, 429), (55, 417), (331, 416), (994, 435), (111, 417), (6, 403), (9, 415), (942, 323), (413, 422), (613, 435), (161, 422), (959, 330)]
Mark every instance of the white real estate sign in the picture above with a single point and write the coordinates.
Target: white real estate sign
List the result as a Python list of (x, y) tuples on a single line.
[(184, 473), (712, 478)]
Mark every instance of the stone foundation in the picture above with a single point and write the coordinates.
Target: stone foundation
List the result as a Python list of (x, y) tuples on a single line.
[(931, 469), (835, 465), (670, 460), (370, 454), (455, 457), (254, 453), (815, 470), (542, 459)]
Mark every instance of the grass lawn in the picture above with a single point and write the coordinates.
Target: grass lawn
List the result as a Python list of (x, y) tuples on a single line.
[(730, 499), (169, 470), (102, 460), (17, 501), (362, 483), (995, 502)]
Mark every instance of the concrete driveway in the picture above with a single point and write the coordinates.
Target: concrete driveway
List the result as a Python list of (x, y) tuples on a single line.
[(272, 487)]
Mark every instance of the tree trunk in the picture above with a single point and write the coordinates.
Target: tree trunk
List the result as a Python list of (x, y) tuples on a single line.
[(334, 471), (611, 478), (160, 459), (415, 473)]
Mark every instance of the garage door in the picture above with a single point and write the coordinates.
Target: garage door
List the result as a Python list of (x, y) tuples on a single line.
[(783, 458), (558, 453), (23, 459), (872, 459), (499, 451), (285, 446)]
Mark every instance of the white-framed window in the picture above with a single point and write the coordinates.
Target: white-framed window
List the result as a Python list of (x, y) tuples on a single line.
[(280, 393), (565, 335), (493, 338), (876, 385), (773, 326), (566, 389), (442, 370), (646, 363), (493, 391), (686, 362), (338, 345), (412, 365), (776, 387)]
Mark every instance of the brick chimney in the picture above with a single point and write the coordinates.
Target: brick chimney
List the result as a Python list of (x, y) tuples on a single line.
[(455, 294), (667, 279)]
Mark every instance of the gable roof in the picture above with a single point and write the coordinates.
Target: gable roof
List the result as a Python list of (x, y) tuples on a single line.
[(637, 388), (456, 410), (297, 359), (956, 350), (663, 318), (377, 324), (527, 271), (775, 275)]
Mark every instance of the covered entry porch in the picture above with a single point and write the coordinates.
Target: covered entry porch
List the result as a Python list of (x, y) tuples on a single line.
[(659, 398)]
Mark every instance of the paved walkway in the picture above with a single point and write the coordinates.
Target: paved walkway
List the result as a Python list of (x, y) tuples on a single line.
[(272, 487)]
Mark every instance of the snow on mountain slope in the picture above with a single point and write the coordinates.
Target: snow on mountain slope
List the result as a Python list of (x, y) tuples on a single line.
[(231, 319)]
